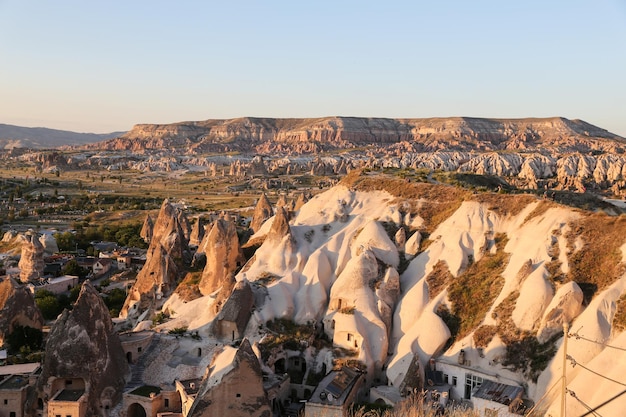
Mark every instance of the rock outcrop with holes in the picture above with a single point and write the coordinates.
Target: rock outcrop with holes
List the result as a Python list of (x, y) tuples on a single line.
[(84, 352), (31, 262), (233, 386), (17, 308), (166, 256)]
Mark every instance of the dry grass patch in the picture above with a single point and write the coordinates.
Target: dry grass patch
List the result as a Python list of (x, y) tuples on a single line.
[(473, 292), (599, 262), (505, 204), (619, 321), (188, 289), (439, 278), (483, 335), (542, 207)]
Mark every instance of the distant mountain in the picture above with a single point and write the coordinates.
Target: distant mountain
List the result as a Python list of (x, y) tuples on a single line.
[(309, 136), (43, 138)]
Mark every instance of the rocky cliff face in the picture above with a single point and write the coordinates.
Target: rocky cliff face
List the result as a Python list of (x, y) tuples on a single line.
[(31, 262), (167, 254), (83, 347), (264, 135), (17, 307)]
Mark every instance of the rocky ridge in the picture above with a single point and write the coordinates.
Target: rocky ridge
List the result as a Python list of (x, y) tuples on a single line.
[(266, 135)]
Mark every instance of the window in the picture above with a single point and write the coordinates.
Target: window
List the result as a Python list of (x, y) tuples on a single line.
[(6, 401), (12, 414), (238, 395), (349, 337), (139, 349), (445, 378), (471, 381), (167, 403), (454, 381), (68, 382)]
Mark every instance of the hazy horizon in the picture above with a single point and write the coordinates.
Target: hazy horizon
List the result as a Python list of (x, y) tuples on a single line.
[(104, 67)]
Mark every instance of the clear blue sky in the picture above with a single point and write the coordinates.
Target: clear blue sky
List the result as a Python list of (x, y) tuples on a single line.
[(100, 66)]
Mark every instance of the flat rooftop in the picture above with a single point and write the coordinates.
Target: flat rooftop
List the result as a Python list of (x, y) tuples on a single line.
[(22, 368), (69, 395), (14, 382), (335, 387)]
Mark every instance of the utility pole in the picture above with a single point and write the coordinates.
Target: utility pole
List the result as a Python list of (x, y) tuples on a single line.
[(564, 376)]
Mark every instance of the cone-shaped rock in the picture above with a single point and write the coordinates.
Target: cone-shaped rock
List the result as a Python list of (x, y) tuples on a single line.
[(233, 386), (167, 253), (146, 229), (280, 226), (400, 239), (17, 308), (262, 212), (281, 202), (197, 232), (223, 256), (184, 224), (84, 353), (300, 202), (31, 262)]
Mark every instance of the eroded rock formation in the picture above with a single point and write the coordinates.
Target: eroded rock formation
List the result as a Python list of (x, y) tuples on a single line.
[(31, 262), (167, 254), (17, 307), (262, 212), (146, 229), (84, 352), (223, 257), (233, 386)]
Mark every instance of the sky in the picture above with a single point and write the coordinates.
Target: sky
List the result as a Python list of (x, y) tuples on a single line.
[(103, 66)]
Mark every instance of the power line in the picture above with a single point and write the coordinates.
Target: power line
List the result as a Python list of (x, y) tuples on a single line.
[(577, 336), (591, 410), (613, 398), (574, 363), (543, 397)]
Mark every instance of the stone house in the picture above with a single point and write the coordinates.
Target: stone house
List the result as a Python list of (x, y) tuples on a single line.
[(232, 320), (494, 399), (233, 386), (149, 401), (187, 389), (56, 285), (336, 393), (102, 266), (14, 382), (67, 397)]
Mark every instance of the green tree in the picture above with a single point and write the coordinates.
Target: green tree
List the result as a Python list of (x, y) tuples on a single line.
[(24, 336), (72, 268), (49, 306), (65, 241)]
